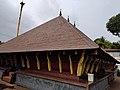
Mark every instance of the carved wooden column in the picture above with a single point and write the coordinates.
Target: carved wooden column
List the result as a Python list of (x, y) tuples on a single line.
[(49, 63), (38, 62), (80, 65), (28, 62), (71, 66), (22, 62), (60, 63)]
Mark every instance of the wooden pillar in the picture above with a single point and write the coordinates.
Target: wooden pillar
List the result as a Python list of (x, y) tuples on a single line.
[(1, 61), (22, 62), (88, 66), (11, 60), (60, 63), (84, 64), (15, 60), (49, 63), (92, 67), (28, 62), (38, 62), (6, 59), (80, 64), (71, 66), (97, 67)]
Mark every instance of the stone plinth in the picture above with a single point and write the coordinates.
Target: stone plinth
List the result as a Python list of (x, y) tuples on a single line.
[(35, 83)]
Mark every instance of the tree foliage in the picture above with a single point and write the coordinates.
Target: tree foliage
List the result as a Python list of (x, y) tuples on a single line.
[(113, 25), (102, 42), (116, 45)]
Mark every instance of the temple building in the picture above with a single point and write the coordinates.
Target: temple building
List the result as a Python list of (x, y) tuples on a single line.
[(57, 56)]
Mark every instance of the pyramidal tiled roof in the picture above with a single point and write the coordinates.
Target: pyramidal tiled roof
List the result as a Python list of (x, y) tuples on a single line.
[(56, 34)]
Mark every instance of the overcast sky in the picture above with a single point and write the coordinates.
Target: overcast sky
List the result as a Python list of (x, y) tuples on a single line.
[(90, 16)]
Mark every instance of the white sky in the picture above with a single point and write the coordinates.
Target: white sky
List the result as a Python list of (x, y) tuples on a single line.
[(90, 16)]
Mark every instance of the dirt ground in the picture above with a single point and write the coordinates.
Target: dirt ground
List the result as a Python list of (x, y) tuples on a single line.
[(10, 86), (115, 85)]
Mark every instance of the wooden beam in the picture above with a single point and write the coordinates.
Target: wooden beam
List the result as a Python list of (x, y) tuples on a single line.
[(88, 66), (92, 67), (6, 60), (60, 63), (38, 62), (94, 52), (1, 59), (84, 64), (49, 63), (28, 62), (82, 57), (97, 66), (15, 60), (80, 64), (22, 62), (1, 63), (11, 60), (71, 66)]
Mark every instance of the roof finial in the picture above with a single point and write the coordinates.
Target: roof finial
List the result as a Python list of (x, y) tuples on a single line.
[(74, 24), (60, 12), (68, 19)]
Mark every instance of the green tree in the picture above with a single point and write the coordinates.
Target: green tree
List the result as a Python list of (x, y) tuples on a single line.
[(113, 25), (103, 43), (116, 45)]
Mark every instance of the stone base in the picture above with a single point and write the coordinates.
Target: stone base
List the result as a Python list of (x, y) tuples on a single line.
[(40, 83), (36, 83)]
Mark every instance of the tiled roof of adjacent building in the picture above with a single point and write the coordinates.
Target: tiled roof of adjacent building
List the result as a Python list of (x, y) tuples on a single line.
[(112, 50), (56, 34)]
